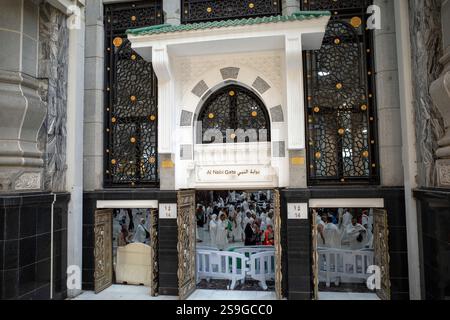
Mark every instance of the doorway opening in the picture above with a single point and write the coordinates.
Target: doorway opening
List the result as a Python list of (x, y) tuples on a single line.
[(350, 253), (125, 249), (238, 240)]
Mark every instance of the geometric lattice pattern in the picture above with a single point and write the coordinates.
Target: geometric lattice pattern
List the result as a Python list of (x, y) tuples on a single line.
[(340, 98), (234, 108), (212, 10), (131, 115)]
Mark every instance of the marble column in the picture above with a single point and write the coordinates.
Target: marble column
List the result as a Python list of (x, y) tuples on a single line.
[(440, 93), (290, 6), (388, 102), (426, 47), (93, 97), (21, 109), (172, 12)]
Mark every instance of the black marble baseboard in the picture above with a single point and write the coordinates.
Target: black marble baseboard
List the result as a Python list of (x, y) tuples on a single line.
[(25, 245), (434, 220)]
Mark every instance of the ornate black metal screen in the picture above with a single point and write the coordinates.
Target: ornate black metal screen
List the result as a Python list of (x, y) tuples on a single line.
[(210, 10), (234, 107), (131, 115), (340, 98)]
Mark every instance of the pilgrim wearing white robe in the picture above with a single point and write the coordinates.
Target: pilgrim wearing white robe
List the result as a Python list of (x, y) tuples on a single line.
[(237, 227), (352, 233), (222, 234), (213, 229), (332, 236)]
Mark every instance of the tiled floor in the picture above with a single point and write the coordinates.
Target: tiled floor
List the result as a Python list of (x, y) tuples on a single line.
[(120, 292), (232, 295), (342, 296)]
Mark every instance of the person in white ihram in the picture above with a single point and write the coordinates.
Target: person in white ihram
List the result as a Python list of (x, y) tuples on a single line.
[(331, 234), (141, 233), (222, 232), (356, 234), (213, 229)]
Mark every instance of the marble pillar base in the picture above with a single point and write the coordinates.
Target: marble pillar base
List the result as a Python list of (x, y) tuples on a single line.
[(443, 173), (21, 116)]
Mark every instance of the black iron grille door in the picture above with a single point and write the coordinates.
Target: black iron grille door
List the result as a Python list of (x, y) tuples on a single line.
[(213, 10), (340, 97), (234, 108), (131, 109)]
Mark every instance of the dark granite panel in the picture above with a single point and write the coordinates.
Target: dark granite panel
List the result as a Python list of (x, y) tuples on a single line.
[(42, 293), (27, 251), (2, 251), (2, 223), (11, 260), (12, 223), (27, 279), (27, 221), (43, 247), (10, 284)]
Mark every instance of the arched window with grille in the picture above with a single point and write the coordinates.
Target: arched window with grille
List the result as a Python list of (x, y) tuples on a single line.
[(233, 114), (340, 98)]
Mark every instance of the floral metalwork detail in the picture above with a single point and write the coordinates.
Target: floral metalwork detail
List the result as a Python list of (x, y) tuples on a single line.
[(187, 225), (278, 248), (381, 251), (213, 10), (234, 108), (130, 99), (103, 250), (340, 99)]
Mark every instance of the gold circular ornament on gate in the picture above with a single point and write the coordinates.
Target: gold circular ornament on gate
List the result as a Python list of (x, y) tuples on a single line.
[(341, 131), (211, 115), (113, 120), (318, 155), (133, 140), (356, 22), (251, 5), (152, 160), (232, 93), (209, 10), (113, 161), (364, 107), (133, 18), (133, 57), (337, 41), (339, 86), (316, 109), (365, 154), (254, 114), (117, 42), (152, 118), (133, 98)]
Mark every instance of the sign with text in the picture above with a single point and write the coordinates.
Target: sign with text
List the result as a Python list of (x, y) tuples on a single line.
[(234, 173), (167, 210), (297, 211)]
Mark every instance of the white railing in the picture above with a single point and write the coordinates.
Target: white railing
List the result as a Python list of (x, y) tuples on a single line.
[(221, 265), (262, 267), (344, 266), (256, 262)]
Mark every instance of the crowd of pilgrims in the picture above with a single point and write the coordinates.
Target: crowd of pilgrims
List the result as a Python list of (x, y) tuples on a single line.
[(344, 228), (239, 218)]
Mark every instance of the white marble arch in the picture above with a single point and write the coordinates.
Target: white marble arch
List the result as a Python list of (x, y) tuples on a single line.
[(193, 103)]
